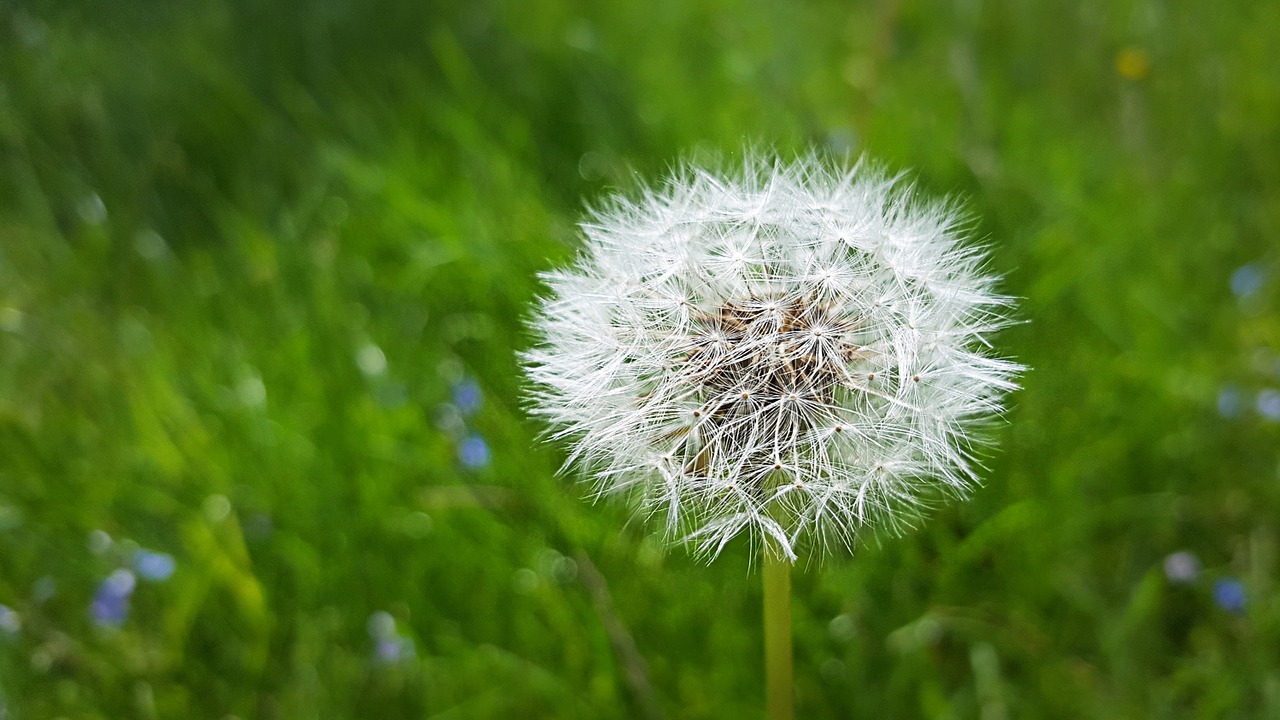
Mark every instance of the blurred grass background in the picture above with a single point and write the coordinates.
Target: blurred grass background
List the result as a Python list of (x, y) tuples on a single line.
[(263, 268)]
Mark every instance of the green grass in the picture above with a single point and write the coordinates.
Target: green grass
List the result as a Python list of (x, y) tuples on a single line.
[(211, 211)]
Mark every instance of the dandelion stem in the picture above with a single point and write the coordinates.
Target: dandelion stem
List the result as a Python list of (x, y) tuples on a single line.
[(777, 637)]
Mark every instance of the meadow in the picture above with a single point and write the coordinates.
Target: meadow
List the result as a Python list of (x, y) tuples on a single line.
[(264, 274)]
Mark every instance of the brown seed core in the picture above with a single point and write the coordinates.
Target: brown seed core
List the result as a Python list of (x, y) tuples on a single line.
[(791, 354)]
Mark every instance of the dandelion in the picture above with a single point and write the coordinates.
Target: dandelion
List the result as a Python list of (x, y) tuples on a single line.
[(791, 352)]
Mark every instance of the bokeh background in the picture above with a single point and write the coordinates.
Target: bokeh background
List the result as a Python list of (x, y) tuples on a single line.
[(263, 270)]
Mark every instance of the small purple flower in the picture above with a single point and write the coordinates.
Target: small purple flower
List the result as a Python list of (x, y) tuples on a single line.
[(110, 605), (1229, 594), (1182, 567), (153, 566), (468, 396), (474, 452)]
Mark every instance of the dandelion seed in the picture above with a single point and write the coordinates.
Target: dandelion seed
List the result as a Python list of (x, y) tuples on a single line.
[(792, 352)]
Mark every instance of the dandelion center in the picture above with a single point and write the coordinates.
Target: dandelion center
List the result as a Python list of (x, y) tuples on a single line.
[(767, 370)]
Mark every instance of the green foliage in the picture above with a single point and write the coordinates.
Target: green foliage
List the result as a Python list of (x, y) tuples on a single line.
[(248, 250)]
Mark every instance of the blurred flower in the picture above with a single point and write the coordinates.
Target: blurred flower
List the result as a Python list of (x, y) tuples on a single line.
[(1230, 404), (474, 452), (467, 396), (389, 646), (1268, 404), (1182, 567), (1247, 280), (1229, 594), (110, 605), (790, 351), (153, 566), (10, 622)]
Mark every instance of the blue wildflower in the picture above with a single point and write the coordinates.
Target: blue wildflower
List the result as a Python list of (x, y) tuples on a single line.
[(393, 650), (1269, 404), (474, 452), (1247, 280), (467, 396), (1230, 404), (1229, 594), (389, 646), (10, 622), (153, 566), (110, 606)]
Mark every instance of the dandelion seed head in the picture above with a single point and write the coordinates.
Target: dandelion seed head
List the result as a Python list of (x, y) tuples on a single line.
[(791, 351)]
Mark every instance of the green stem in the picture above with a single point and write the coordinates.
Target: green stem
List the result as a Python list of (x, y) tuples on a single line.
[(780, 697)]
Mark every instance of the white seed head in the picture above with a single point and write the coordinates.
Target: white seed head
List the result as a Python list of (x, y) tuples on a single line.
[(793, 351)]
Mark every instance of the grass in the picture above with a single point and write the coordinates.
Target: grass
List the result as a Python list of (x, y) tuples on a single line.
[(248, 251)]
